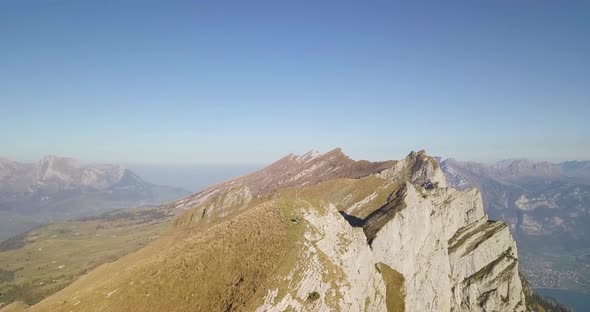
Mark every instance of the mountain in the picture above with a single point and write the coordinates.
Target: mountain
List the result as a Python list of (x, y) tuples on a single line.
[(317, 233), (576, 169), (58, 188), (547, 207)]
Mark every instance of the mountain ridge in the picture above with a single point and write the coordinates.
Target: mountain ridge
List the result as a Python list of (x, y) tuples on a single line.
[(523, 167), (57, 188), (279, 239)]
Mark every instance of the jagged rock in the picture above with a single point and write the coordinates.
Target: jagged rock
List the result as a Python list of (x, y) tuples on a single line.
[(322, 233), (418, 168)]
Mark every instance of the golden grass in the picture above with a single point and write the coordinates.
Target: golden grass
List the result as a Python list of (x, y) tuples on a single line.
[(219, 269), (16, 306), (345, 192), (56, 254), (217, 209), (394, 285), (227, 263)]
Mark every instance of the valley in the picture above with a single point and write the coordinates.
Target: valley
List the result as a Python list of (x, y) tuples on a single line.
[(271, 156), (46, 259), (547, 207)]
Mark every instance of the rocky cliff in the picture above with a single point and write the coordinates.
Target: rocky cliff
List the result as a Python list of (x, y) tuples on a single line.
[(317, 233)]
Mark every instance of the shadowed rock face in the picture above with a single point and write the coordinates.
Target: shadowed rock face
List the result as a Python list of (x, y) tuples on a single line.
[(308, 169), (318, 233)]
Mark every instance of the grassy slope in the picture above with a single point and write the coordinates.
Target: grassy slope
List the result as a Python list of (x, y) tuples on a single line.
[(226, 264), (190, 270), (394, 282), (15, 307), (55, 255), (345, 192)]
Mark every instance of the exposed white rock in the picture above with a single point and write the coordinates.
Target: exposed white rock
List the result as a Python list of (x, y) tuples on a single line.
[(419, 168), (333, 248), (530, 204), (452, 257), (346, 248), (309, 156), (530, 225), (354, 207), (409, 224), (307, 171)]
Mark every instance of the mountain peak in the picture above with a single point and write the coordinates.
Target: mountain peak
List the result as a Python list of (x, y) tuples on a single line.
[(309, 156), (336, 151), (418, 168), (56, 168), (6, 160), (60, 159), (55, 158), (385, 228), (524, 168), (52, 173)]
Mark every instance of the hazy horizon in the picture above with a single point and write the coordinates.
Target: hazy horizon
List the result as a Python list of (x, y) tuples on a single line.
[(268, 161), (191, 177)]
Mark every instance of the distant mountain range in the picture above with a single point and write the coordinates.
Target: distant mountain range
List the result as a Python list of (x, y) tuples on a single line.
[(547, 207), (310, 232), (57, 188), (316, 232)]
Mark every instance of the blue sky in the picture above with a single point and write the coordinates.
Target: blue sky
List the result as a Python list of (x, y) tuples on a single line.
[(175, 82)]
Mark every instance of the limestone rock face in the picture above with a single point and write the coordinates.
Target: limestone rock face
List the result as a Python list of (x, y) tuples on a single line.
[(419, 169), (452, 257), (332, 247), (324, 233)]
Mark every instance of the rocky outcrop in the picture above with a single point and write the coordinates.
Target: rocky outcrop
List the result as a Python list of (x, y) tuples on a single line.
[(417, 168), (452, 257), (387, 236), (336, 263), (290, 171), (439, 239)]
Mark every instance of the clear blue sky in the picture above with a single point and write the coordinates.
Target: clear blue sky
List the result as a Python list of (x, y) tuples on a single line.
[(172, 82)]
